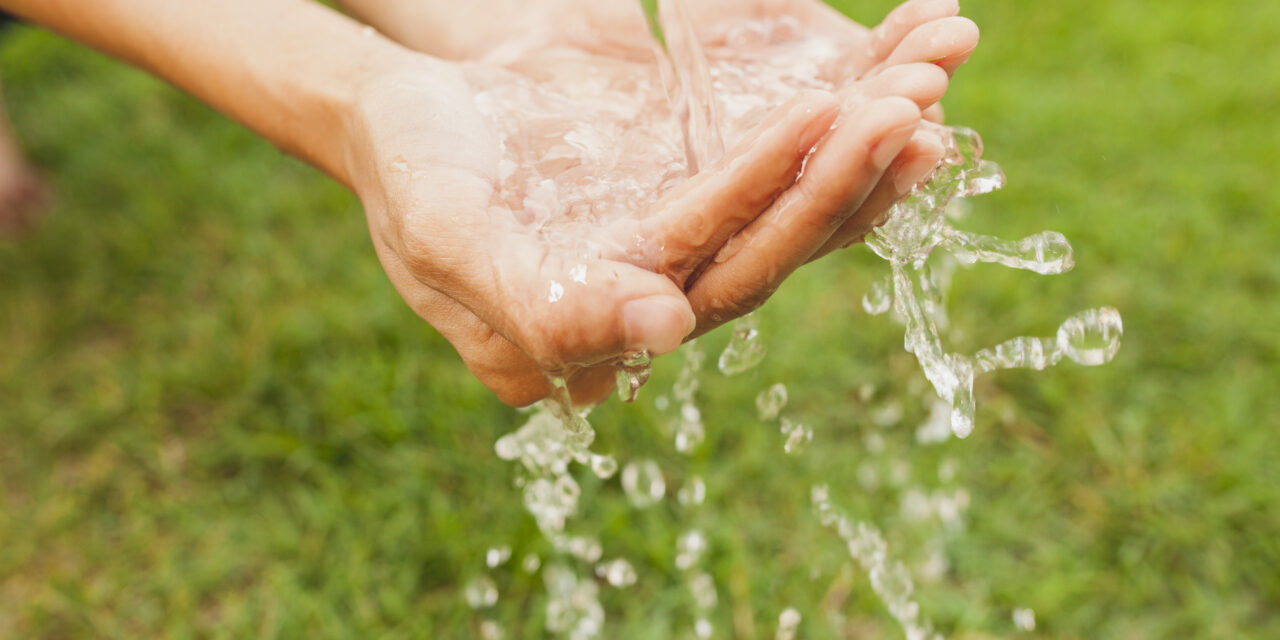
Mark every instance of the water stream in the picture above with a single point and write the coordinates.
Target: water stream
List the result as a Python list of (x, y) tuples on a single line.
[(566, 170)]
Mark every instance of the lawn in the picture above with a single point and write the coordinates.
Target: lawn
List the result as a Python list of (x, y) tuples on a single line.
[(217, 419)]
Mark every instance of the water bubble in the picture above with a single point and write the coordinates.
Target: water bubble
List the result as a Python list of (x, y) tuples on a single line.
[(771, 401), (497, 556), (643, 483), (603, 466), (879, 298), (788, 623), (798, 436), (745, 350), (1024, 619), (1092, 337), (693, 493), (618, 573), (481, 592)]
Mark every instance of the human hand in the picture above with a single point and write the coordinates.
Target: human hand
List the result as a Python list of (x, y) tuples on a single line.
[(516, 307), (579, 43), (500, 314)]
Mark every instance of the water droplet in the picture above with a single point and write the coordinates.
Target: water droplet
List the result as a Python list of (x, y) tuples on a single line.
[(1092, 337), (703, 590), (693, 493), (497, 556), (771, 401), (531, 563), (582, 547), (481, 592), (798, 436), (745, 350), (643, 483), (788, 623), (491, 630), (632, 373), (661, 403), (618, 573), (703, 628), (689, 549), (878, 298), (1024, 619), (603, 466)]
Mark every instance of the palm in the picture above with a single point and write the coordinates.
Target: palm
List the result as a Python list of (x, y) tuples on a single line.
[(553, 180)]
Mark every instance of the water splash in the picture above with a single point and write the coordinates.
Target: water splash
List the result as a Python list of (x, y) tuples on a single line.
[(569, 168), (918, 226), (890, 579)]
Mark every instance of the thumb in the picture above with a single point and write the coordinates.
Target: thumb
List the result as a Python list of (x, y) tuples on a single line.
[(564, 309)]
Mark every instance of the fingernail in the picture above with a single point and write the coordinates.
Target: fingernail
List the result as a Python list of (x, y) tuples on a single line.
[(891, 145), (913, 173), (658, 323)]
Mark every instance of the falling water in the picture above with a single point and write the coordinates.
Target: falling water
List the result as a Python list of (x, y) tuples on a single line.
[(683, 111)]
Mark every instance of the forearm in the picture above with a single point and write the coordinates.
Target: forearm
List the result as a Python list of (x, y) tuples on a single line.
[(450, 29), (288, 69)]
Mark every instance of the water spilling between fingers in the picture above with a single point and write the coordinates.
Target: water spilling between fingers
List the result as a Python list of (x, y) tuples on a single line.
[(577, 157)]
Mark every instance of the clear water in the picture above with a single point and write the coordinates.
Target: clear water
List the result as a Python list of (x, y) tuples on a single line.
[(571, 169)]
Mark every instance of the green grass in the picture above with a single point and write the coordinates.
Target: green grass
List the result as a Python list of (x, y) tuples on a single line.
[(218, 420)]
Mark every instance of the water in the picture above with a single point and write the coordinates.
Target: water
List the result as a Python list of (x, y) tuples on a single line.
[(571, 173), (771, 402), (1024, 619), (788, 624), (618, 573), (643, 483)]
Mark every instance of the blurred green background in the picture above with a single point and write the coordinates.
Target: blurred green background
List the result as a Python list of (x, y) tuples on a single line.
[(217, 419)]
